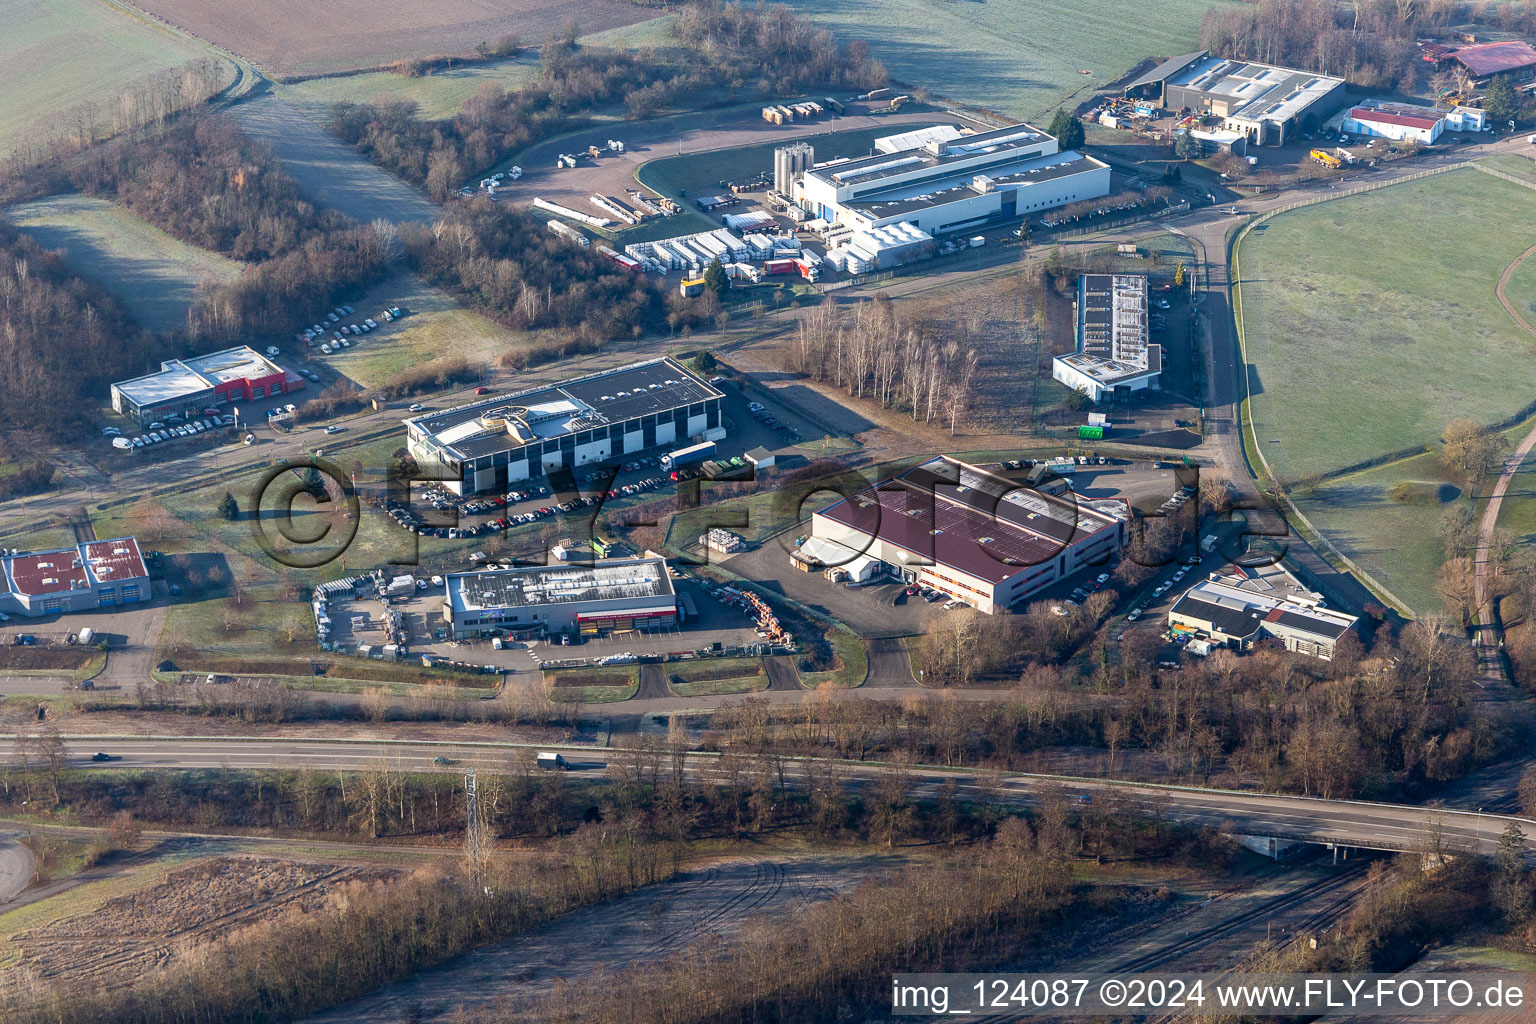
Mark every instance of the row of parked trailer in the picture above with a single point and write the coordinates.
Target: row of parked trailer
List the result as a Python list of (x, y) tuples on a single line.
[(787, 113), (689, 252)]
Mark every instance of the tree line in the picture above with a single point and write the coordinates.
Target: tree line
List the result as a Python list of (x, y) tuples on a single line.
[(732, 52), (1372, 43), (875, 353), (1385, 722), (144, 103), (506, 263), (203, 181), (62, 337)]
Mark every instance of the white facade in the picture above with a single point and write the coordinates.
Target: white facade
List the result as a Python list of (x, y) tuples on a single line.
[(1394, 128), (948, 184)]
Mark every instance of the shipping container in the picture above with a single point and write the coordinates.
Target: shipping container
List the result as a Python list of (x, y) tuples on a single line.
[(1090, 433)]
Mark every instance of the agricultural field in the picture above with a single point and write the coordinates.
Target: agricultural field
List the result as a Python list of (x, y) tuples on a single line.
[(290, 38), (156, 277), (1021, 58), (1322, 311), (59, 54)]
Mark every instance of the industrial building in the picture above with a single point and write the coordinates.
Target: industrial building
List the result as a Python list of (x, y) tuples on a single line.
[(789, 162), (978, 537), (945, 184), (1513, 59), (1252, 604), (1114, 355), (489, 444), (184, 387), (87, 577), (1268, 104), (1400, 122), (603, 597)]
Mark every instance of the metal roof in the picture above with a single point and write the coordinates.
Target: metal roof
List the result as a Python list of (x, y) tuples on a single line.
[(985, 525), (1167, 69), (611, 396), (620, 579), (55, 572), (1492, 58)]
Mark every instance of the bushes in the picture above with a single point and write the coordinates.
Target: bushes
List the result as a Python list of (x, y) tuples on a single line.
[(505, 263), (29, 478), (735, 52)]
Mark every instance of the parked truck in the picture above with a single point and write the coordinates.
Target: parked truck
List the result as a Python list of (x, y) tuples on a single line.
[(1326, 158), (687, 456)]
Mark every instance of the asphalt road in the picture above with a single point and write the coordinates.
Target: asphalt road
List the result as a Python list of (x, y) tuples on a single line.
[(1349, 823)]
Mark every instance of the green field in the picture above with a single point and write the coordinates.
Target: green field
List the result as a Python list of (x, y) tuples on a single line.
[(437, 326), (437, 96), (440, 95), (1513, 163), (1015, 56), (156, 277), (717, 675), (58, 54), (1397, 542), (1371, 321)]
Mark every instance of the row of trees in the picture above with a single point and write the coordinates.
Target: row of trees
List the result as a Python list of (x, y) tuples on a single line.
[(733, 52), (61, 337), (1371, 42), (1377, 723), (147, 102), (873, 353)]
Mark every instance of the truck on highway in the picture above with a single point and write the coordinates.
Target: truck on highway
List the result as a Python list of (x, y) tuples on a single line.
[(688, 456), (550, 761)]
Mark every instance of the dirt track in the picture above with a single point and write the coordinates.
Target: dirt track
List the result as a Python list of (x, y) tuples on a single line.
[(648, 925), (15, 869)]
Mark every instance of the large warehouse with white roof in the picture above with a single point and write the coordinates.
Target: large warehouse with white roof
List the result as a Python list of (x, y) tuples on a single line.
[(609, 596), (487, 445), (945, 181)]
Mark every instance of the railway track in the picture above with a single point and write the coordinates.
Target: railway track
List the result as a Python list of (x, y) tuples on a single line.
[(1331, 884)]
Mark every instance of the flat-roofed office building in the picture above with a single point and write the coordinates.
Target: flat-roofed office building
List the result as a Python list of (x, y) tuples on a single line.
[(489, 444)]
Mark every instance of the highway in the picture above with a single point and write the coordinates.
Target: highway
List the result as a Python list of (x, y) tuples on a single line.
[(1347, 823)]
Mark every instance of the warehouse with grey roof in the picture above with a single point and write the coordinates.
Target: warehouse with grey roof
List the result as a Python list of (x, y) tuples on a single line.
[(1266, 103), (603, 597)]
